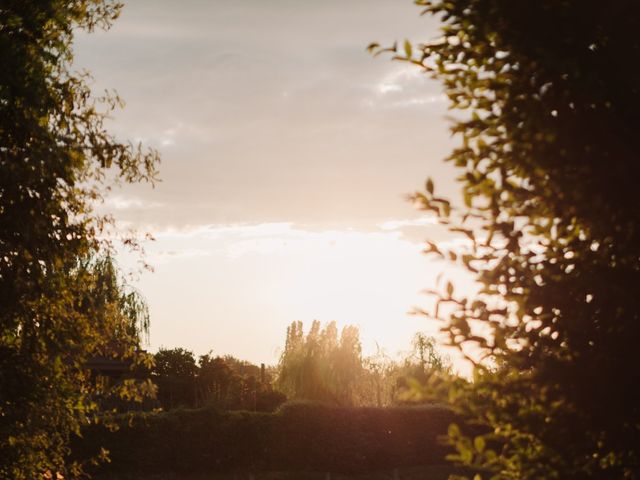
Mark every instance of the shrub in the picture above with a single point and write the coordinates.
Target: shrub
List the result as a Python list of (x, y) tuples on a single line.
[(299, 436)]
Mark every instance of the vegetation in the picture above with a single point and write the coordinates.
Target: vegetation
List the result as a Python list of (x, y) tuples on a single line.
[(298, 437), (315, 367), (245, 427), (548, 168), (552, 230), (61, 300), (321, 367), (223, 382)]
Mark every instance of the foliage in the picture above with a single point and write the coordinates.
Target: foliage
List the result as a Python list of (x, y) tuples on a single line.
[(320, 366), (224, 382), (378, 384), (390, 382), (60, 300), (418, 378), (299, 436), (174, 373), (549, 170)]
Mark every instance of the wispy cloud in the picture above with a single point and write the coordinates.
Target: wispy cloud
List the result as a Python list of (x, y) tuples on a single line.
[(416, 222), (401, 88), (421, 101), (164, 256), (119, 202), (397, 80), (233, 241)]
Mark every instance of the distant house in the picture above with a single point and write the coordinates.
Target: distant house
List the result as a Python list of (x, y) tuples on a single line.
[(109, 367)]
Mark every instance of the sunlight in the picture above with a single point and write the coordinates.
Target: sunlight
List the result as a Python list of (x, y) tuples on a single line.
[(238, 279)]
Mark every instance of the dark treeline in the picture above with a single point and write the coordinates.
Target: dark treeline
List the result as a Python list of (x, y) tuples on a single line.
[(321, 365), (224, 382)]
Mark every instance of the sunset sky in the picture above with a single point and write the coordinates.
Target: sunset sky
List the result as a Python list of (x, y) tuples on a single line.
[(287, 152)]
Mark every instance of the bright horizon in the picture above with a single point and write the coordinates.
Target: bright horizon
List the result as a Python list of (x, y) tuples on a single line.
[(287, 152)]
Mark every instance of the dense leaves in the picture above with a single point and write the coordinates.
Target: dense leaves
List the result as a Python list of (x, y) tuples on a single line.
[(61, 301), (550, 97), (299, 436)]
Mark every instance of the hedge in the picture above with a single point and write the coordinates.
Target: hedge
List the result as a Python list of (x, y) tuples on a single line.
[(296, 437)]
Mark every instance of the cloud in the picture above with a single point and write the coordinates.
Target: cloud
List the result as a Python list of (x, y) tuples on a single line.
[(165, 256), (234, 241), (421, 101), (402, 88), (417, 222), (121, 202), (296, 240), (397, 80), (209, 94)]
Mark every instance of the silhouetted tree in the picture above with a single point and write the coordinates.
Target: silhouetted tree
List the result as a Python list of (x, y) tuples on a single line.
[(214, 380), (549, 169), (223, 382), (175, 374)]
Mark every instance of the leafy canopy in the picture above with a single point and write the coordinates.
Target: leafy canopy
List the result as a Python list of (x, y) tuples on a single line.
[(61, 299)]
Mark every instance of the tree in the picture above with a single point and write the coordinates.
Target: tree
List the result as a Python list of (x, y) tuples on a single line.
[(225, 382), (426, 357), (214, 380), (59, 301), (419, 378), (320, 366), (391, 382), (175, 372), (549, 167), (377, 387)]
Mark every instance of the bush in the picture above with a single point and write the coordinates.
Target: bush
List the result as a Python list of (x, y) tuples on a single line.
[(300, 436)]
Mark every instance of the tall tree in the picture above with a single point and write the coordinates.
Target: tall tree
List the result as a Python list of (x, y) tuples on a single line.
[(549, 167), (321, 366), (59, 304)]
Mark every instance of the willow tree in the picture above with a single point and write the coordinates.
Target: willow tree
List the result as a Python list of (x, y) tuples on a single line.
[(61, 302), (549, 93)]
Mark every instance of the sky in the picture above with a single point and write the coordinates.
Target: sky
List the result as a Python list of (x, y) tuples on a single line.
[(287, 153)]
